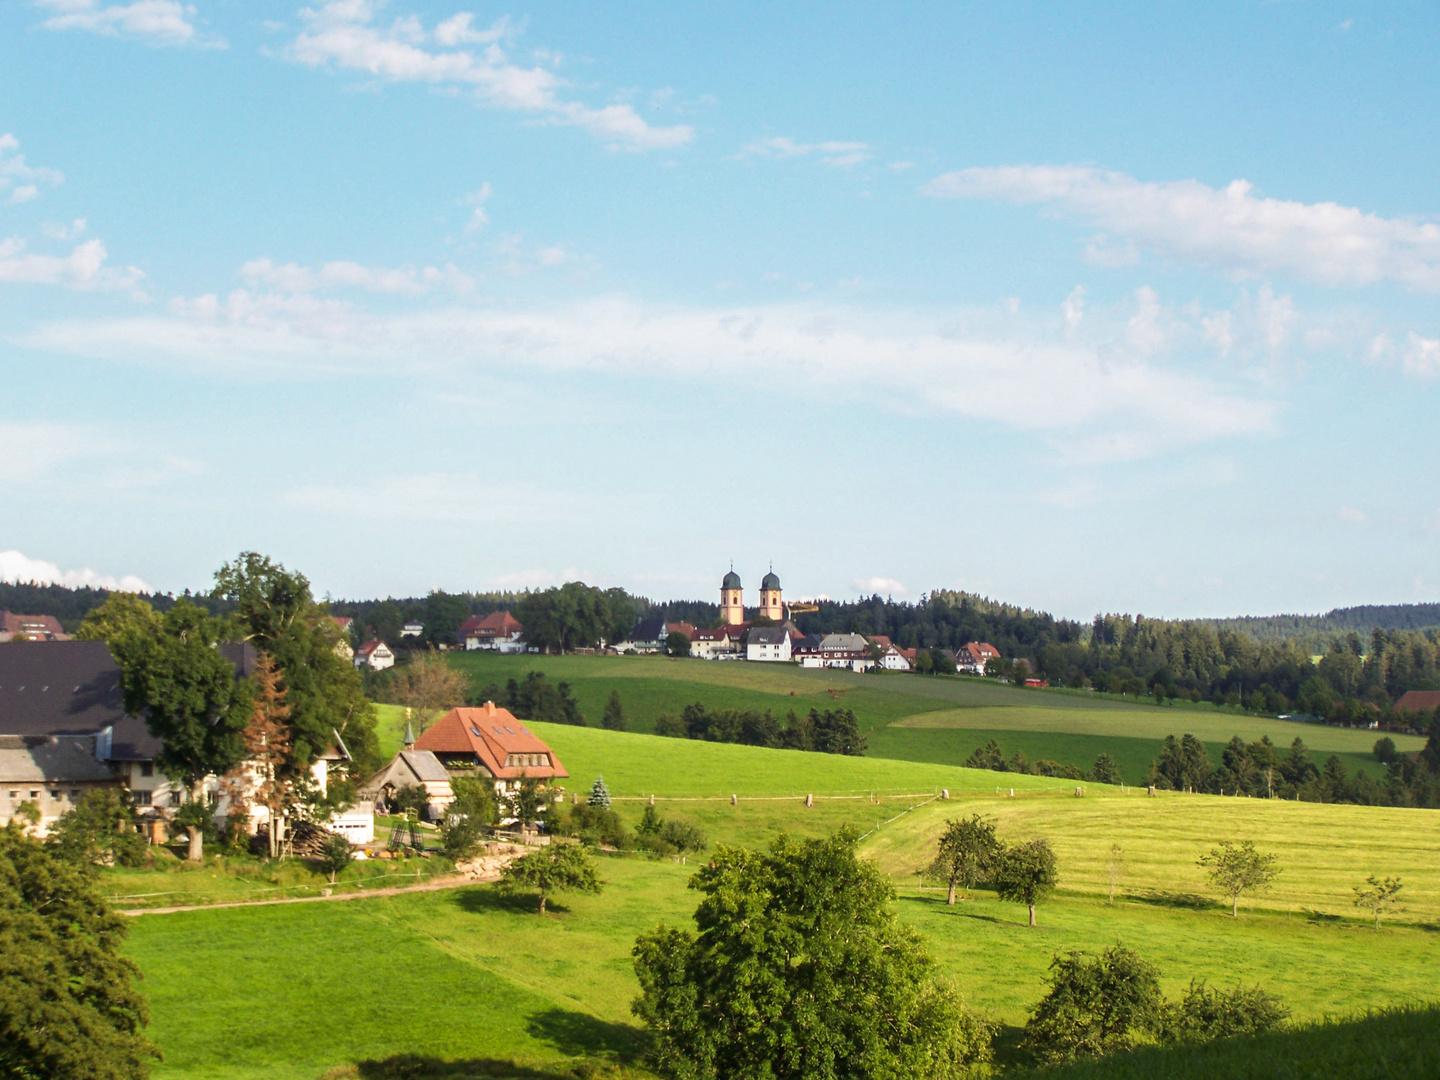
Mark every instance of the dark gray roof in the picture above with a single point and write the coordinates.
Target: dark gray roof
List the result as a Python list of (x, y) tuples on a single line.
[(73, 688), (767, 635), (51, 759), (652, 629), (770, 581), (731, 581)]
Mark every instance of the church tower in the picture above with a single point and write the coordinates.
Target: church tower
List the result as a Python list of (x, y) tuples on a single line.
[(732, 602), (771, 606)]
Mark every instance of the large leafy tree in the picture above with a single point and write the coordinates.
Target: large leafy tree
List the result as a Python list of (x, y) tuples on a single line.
[(174, 676), (967, 848), (552, 869), (1025, 873), (276, 612), (68, 1006), (800, 969), (1095, 1005)]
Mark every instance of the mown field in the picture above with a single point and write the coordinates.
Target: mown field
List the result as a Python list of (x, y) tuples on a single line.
[(919, 718), (466, 974)]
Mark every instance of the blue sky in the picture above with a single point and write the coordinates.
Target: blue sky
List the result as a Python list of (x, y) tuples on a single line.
[(1079, 306)]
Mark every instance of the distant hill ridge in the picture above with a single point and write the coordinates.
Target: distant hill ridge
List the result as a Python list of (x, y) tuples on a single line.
[(1362, 620)]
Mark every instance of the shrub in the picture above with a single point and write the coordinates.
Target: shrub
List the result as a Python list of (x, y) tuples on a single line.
[(683, 836), (650, 823), (595, 825), (410, 797), (1204, 1014), (1095, 1006), (335, 855), (100, 831), (459, 837)]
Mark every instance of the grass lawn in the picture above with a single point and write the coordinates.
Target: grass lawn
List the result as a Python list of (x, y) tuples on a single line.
[(914, 718)]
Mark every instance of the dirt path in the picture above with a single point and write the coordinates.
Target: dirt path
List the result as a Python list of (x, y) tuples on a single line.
[(449, 882)]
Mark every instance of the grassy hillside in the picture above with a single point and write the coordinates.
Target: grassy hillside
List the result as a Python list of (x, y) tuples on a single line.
[(1396, 1044), (469, 975), (918, 718)]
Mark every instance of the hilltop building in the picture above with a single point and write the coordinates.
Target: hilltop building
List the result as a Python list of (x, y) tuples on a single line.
[(732, 599)]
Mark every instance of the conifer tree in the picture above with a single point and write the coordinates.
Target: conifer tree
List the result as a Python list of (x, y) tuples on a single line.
[(599, 794)]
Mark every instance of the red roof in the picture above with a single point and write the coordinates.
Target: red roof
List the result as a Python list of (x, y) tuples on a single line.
[(879, 639), (688, 629), (31, 625), (1415, 700), (497, 740), (369, 647), (981, 651), (496, 624)]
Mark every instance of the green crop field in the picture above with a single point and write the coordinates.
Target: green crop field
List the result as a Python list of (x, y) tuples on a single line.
[(467, 975), (917, 718)]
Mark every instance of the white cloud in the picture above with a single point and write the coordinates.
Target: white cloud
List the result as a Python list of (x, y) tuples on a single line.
[(396, 281), (1355, 517), (883, 586), (22, 180), (20, 568), (1091, 401), (83, 268), (1421, 356), (60, 231), (477, 199), (1229, 229), (344, 33), (1073, 307), (840, 155), (159, 22)]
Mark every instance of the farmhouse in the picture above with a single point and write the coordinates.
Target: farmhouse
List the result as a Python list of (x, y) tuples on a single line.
[(414, 768), (53, 772), (490, 742), (375, 655), (1414, 701), (497, 632), (412, 629), (891, 658), (31, 628), (646, 636), (971, 660)]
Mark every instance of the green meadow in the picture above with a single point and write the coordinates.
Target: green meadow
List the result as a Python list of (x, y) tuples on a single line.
[(468, 976), (937, 720)]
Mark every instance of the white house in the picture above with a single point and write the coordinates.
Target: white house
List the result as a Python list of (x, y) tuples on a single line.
[(892, 659), (375, 655), (768, 643), (412, 629), (497, 632), (971, 660)]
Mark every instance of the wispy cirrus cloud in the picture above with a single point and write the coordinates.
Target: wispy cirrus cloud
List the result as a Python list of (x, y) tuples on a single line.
[(396, 281), (1229, 229), (346, 34), (837, 154), (157, 22), (19, 181), (1097, 399)]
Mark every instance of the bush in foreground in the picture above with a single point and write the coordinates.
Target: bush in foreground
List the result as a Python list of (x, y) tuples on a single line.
[(799, 970), (67, 1004)]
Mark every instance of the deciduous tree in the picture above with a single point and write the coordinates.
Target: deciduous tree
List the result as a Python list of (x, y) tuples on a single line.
[(966, 850), (68, 1005), (554, 868), (1235, 869), (188, 693), (1379, 897), (1095, 1006), (800, 970), (1025, 873), (429, 687)]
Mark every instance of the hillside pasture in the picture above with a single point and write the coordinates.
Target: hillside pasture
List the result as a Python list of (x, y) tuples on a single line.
[(938, 720), (469, 975)]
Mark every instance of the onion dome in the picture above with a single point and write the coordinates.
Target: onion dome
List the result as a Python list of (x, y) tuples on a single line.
[(771, 581), (732, 581)]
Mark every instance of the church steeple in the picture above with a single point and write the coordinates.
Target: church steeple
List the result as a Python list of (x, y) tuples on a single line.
[(732, 599), (771, 605)]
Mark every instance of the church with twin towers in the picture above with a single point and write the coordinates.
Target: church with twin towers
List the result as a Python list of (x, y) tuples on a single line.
[(732, 599)]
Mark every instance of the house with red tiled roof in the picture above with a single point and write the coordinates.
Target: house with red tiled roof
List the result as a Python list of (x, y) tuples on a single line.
[(491, 741), (1413, 701), (375, 655), (31, 627), (497, 632), (971, 660)]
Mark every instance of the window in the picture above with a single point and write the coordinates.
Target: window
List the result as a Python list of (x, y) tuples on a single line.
[(141, 798), (75, 795), (174, 798), (14, 794), (55, 795), (34, 794), (147, 768)]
